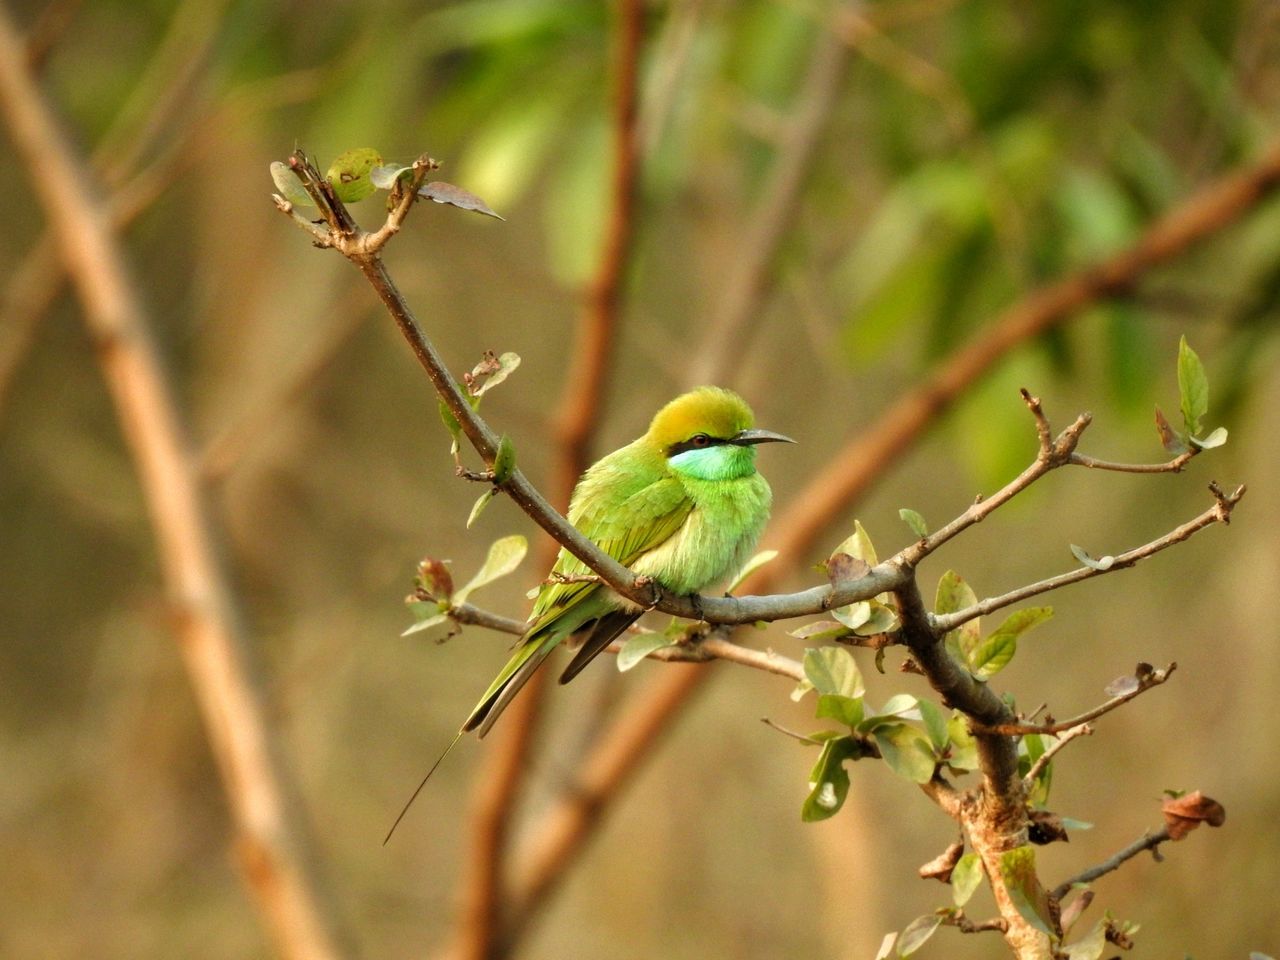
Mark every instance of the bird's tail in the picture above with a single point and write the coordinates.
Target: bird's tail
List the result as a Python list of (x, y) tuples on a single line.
[(607, 628), (508, 683), (408, 803)]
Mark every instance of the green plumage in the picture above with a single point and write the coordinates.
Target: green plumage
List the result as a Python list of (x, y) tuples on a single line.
[(683, 505), (682, 510)]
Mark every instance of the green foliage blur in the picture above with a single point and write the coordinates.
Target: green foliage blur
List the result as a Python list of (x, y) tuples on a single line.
[(975, 149)]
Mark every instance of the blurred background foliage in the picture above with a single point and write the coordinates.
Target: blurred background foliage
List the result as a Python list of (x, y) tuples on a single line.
[(972, 149)]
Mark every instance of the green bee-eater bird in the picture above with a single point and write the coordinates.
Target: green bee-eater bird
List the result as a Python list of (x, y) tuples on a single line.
[(682, 504)]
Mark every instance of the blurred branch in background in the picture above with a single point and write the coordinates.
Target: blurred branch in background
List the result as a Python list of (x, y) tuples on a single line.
[(136, 177), (482, 930), (275, 847), (750, 276)]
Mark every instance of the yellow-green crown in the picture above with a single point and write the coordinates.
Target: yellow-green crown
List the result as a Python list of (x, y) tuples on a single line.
[(711, 410)]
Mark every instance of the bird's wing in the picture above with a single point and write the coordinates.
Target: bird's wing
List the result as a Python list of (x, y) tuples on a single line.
[(643, 521), (655, 511)]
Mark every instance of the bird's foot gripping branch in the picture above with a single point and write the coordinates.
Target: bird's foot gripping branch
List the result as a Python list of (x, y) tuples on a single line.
[(969, 749)]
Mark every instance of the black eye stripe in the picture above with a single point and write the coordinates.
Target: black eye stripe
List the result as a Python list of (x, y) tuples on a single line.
[(699, 441)]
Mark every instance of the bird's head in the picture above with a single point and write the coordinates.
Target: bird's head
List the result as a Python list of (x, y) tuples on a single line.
[(709, 433)]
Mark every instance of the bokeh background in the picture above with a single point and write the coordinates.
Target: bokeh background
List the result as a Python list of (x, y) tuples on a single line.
[(960, 153)]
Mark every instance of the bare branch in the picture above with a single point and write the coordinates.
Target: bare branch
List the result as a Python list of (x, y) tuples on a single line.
[(965, 925), (715, 646), (1146, 679), (1220, 512), (475, 616), (1171, 466), (1053, 453), (1148, 841), (723, 648)]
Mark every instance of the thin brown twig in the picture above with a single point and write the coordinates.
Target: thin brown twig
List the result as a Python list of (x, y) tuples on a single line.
[(1043, 761), (1148, 841), (1169, 466), (1146, 681), (1220, 512), (276, 849)]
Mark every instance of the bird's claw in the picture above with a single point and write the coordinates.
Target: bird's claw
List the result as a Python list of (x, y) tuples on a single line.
[(696, 600), (655, 592)]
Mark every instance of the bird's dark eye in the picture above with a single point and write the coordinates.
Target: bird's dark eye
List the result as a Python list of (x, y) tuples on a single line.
[(700, 440)]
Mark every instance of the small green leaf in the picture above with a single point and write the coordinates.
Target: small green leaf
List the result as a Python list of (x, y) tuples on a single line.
[(821, 630), (1018, 870), (966, 877), (440, 627), (801, 688), (845, 710), (906, 751), (853, 615), (639, 647), (442, 192), (828, 780), (1193, 388), (451, 424), (1091, 945), (916, 933), (504, 556), (883, 619), (833, 670), (955, 594), (384, 177), (935, 724), (1101, 563), (1071, 823), (289, 185), (858, 545), (916, 522), (898, 704), (963, 751), (349, 173), (1215, 439), (1032, 748), (750, 567), (504, 461), (490, 371), (994, 653), (477, 508)]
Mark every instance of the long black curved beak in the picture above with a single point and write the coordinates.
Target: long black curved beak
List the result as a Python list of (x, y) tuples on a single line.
[(745, 438)]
